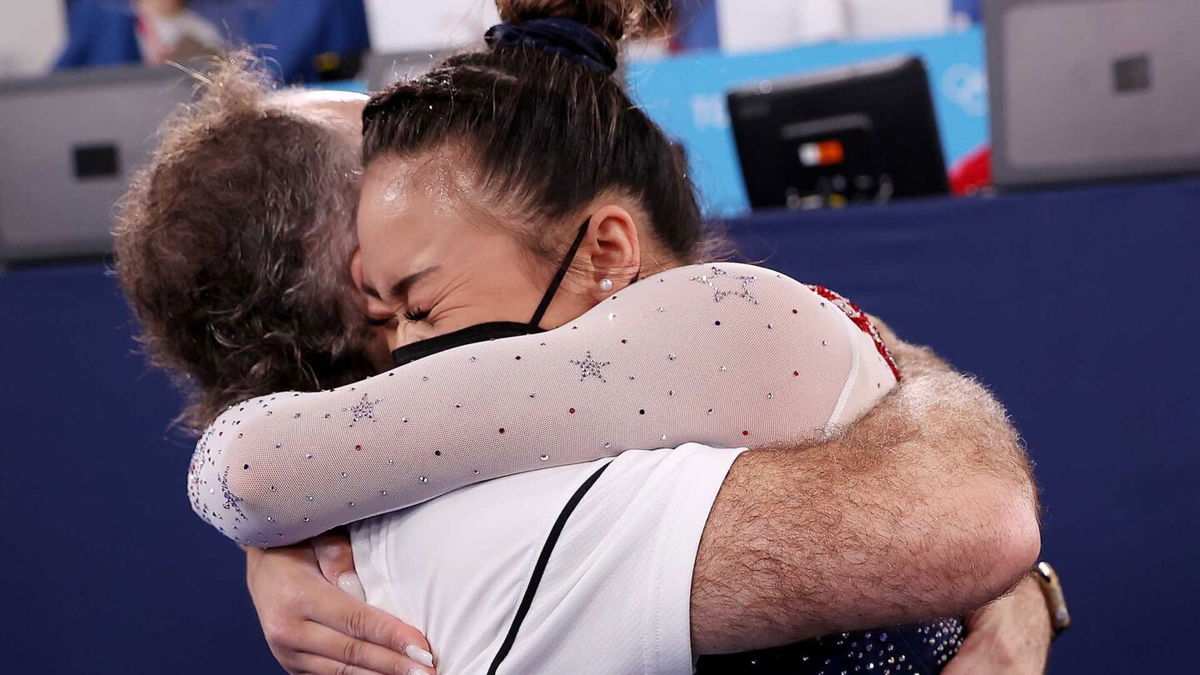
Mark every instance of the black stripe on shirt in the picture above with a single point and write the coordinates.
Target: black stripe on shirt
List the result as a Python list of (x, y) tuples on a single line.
[(540, 568)]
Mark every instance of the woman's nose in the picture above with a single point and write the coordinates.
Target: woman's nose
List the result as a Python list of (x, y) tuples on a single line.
[(394, 339), (407, 333)]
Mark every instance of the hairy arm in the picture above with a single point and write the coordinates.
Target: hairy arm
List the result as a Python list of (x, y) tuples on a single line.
[(923, 508)]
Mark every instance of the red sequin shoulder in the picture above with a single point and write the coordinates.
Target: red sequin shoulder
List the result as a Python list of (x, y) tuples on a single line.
[(861, 320)]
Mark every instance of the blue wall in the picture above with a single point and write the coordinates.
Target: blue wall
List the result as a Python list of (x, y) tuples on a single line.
[(108, 570), (1077, 308)]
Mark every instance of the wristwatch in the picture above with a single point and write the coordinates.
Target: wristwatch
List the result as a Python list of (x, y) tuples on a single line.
[(1052, 591)]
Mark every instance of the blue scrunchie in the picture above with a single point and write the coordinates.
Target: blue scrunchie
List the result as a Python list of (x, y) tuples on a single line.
[(564, 37)]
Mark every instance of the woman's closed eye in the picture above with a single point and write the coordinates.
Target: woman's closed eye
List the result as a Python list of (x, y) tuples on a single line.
[(413, 315), (416, 314)]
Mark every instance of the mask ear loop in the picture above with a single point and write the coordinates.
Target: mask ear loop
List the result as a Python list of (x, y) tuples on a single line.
[(560, 275)]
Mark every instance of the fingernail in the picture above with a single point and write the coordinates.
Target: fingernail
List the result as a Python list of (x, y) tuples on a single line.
[(419, 655), (349, 582), (417, 671)]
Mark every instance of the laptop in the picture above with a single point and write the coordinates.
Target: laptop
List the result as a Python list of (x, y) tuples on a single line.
[(1089, 90), (863, 133), (68, 145)]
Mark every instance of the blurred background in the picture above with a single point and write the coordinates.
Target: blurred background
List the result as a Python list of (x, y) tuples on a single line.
[(1013, 182)]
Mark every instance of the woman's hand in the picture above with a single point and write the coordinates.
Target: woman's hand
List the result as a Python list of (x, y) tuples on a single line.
[(1011, 635), (312, 627)]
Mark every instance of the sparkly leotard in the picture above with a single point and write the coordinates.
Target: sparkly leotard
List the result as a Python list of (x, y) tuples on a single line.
[(722, 354)]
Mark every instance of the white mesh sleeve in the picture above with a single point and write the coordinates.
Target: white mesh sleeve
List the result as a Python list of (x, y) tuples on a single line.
[(725, 354)]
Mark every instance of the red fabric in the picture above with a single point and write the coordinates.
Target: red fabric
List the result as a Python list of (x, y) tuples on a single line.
[(861, 320)]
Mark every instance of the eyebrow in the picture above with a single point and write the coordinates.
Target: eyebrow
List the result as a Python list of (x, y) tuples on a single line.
[(399, 290)]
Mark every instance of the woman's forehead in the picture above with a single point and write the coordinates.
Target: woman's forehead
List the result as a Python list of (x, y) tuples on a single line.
[(425, 186)]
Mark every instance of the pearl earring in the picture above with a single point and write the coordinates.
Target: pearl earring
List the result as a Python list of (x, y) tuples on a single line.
[(606, 285)]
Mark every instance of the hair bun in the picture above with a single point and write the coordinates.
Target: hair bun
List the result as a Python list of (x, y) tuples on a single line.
[(612, 20), (564, 37)]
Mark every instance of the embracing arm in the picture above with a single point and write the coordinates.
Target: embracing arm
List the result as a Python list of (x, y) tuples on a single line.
[(925, 507), (726, 355)]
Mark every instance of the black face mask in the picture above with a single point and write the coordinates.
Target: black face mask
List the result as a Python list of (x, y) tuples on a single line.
[(492, 330)]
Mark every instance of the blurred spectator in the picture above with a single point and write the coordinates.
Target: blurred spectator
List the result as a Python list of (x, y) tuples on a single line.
[(168, 31), (147, 31), (307, 40)]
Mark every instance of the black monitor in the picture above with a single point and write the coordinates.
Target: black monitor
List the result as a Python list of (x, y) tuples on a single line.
[(865, 133)]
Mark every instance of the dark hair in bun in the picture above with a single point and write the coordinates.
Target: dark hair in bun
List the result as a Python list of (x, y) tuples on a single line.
[(547, 134), (612, 20)]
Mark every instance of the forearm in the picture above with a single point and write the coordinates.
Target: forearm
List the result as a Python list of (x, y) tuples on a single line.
[(924, 508), (674, 358)]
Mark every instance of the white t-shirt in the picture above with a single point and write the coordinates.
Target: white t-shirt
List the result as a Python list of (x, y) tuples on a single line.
[(616, 589)]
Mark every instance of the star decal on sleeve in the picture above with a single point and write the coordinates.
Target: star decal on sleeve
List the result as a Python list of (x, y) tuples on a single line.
[(742, 290), (590, 367), (231, 501), (363, 410)]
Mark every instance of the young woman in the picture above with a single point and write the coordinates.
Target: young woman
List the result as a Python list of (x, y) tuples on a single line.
[(460, 164)]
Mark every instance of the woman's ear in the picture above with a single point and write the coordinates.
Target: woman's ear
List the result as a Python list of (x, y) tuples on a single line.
[(612, 250)]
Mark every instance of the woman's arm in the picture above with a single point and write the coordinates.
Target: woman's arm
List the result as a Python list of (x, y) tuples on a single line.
[(727, 355)]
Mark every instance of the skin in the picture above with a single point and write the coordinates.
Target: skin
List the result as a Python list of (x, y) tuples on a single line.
[(432, 262), (161, 7), (414, 220)]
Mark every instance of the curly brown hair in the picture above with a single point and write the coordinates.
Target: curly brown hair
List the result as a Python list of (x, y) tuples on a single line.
[(233, 246)]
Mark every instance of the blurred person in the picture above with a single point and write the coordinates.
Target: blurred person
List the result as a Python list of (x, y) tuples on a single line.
[(303, 40), (139, 31), (206, 232), (168, 31)]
